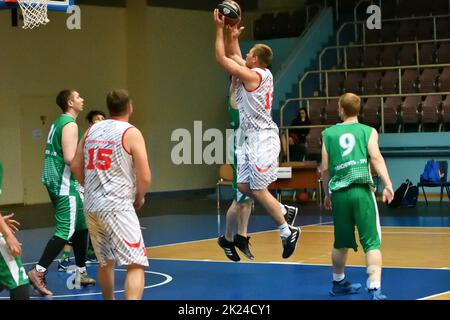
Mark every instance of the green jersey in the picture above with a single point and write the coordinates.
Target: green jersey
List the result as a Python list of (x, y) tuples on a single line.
[(56, 175), (348, 156), (233, 113)]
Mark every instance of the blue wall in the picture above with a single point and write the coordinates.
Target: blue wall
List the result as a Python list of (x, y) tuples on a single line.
[(281, 49), (292, 56), (410, 167)]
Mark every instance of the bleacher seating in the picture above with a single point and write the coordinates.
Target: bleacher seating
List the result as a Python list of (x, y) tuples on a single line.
[(416, 39)]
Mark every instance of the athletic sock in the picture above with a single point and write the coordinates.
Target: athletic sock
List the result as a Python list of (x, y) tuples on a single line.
[(40, 268), (284, 230), (283, 208), (338, 277)]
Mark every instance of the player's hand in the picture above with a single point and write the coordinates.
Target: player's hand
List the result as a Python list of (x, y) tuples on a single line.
[(138, 203), (219, 19), (235, 31), (12, 224), (327, 203), (14, 246), (388, 194)]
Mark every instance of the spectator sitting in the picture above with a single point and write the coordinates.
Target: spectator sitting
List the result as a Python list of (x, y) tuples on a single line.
[(297, 137)]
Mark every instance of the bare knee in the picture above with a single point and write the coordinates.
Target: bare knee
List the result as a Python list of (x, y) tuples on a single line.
[(244, 205)]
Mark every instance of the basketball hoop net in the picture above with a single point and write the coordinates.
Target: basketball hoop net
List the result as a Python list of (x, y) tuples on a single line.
[(34, 13)]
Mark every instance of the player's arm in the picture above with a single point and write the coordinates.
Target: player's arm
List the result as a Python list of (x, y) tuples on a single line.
[(77, 165), (251, 79), (14, 246), (325, 173), (135, 144), (232, 48), (379, 164), (69, 141)]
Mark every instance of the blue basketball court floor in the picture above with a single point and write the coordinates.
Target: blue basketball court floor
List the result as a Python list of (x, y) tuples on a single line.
[(170, 277)]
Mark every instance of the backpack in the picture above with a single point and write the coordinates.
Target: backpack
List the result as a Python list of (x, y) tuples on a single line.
[(431, 172), (405, 196)]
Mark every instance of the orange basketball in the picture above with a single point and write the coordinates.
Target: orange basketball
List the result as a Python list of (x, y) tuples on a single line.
[(302, 197)]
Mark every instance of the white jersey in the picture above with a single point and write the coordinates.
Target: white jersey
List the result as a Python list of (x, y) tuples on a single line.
[(255, 106), (109, 176)]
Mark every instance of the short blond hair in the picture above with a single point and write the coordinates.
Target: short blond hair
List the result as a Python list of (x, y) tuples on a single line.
[(264, 54), (350, 103)]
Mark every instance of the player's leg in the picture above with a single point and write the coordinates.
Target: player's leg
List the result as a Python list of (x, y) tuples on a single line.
[(134, 282), (344, 238), (105, 277), (13, 276), (128, 248), (65, 211), (369, 229), (241, 240), (64, 260), (80, 240)]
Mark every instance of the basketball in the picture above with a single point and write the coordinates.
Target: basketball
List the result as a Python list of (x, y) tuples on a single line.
[(231, 11), (302, 197)]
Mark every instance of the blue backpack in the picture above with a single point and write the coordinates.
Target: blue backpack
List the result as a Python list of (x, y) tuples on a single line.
[(430, 172)]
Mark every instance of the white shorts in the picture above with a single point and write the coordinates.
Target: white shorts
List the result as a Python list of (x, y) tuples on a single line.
[(258, 159), (116, 235)]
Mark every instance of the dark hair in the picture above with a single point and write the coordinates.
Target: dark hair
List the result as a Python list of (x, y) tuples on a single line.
[(306, 113), (62, 99), (90, 116), (117, 102)]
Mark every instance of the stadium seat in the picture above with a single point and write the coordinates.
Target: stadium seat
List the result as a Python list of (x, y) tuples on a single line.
[(410, 117), (430, 113), (428, 80), (389, 82), (316, 111), (371, 82), (427, 53), (331, 112)]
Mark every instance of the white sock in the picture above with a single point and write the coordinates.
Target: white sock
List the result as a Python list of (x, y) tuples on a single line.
[(81, 270), (338, 276), (373, 284), (284, 230), (283, 208), (40, 268)]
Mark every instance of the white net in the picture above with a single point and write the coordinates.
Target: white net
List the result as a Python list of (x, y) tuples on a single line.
[(34, 13)]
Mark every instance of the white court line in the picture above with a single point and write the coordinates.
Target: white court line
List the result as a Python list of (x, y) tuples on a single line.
[(384, 232), (311, 231), (167, 280), (259, 232), (294, 263), (434, 295)]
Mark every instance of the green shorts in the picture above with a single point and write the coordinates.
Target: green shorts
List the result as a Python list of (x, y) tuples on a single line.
[(69, 215), (12, 272), (356, 206)]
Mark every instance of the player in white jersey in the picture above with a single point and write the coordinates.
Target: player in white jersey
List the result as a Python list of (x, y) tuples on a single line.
[(258, 158), (112, 164)]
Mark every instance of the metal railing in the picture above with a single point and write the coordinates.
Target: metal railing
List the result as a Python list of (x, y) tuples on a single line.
[(398, 68), (356, 23), (381, 97), (345, 47)]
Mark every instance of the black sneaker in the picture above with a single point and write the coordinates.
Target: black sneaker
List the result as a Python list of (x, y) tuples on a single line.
[(242, 243), (291, 214), (290, 243), (228, 248)]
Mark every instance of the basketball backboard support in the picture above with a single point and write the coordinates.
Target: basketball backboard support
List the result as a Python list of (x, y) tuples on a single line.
[(53, 5)]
